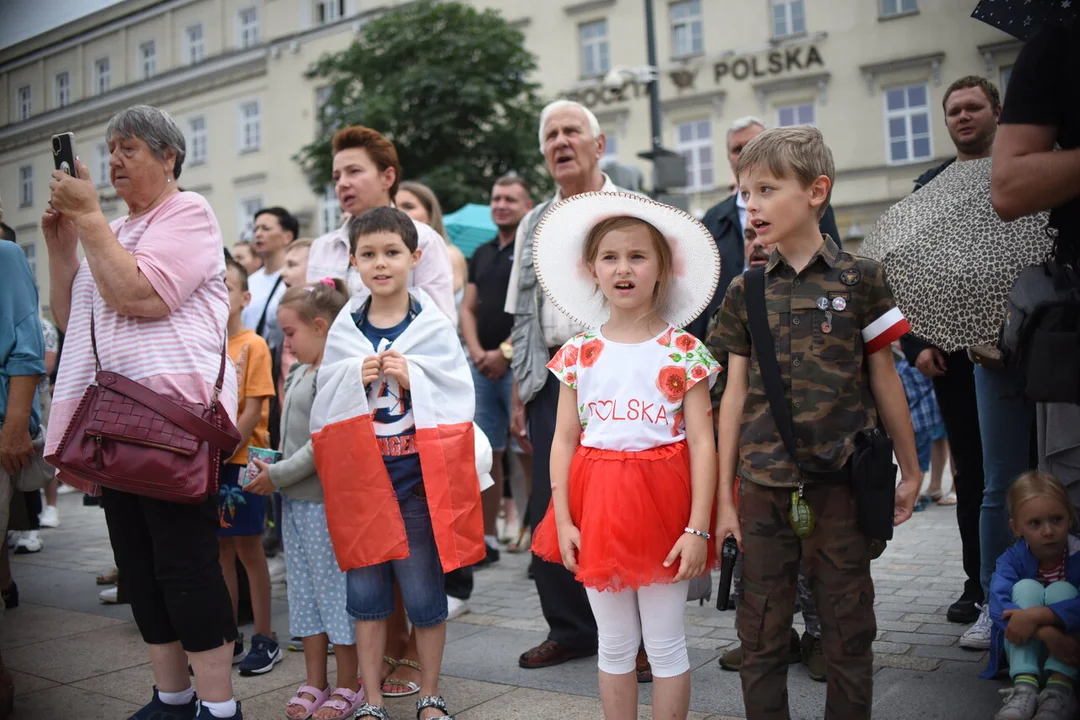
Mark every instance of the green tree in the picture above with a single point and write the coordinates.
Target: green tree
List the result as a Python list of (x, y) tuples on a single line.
[(449, 86)]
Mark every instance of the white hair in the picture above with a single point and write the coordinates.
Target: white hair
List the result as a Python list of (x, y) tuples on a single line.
[(594, 124), (745, 122)]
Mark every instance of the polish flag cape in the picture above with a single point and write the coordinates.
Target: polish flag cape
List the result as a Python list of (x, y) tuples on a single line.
[(362, 509)]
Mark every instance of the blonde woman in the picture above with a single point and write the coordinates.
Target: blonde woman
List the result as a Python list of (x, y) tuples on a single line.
[(418, 201)]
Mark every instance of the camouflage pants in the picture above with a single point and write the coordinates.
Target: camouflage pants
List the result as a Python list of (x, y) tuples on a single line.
[(836, 559), (804, 599)]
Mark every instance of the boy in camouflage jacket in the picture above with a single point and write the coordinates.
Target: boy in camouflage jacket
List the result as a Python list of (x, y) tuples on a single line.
[(833, 317)]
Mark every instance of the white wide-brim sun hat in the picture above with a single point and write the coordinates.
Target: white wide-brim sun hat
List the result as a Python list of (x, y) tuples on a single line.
[(558, 249)]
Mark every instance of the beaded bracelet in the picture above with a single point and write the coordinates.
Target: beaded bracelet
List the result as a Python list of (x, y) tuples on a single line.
[(699, 533)]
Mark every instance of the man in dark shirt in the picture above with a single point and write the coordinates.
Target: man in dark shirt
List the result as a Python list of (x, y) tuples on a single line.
[(1030, 175), (485, 327)]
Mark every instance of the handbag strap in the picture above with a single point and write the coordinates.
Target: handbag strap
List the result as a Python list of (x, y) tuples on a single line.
[(765, 348), (170, 410), (269, 299)]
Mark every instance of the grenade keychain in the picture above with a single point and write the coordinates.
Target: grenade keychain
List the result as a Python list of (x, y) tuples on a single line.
[(801, 514)]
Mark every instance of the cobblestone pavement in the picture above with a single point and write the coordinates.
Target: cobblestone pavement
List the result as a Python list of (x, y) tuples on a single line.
[(75, 658)]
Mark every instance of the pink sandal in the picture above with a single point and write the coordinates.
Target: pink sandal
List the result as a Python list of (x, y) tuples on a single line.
[(345, 701), (310, 706)]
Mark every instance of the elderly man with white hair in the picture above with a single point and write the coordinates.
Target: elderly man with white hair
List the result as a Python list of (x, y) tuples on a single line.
[(727, 222), (572, 145)]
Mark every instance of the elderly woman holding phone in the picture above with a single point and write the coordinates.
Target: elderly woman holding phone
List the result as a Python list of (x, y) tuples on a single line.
[(153, 284)]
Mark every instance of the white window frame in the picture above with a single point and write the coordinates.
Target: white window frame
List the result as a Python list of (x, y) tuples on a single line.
[(101, 178), (24, 102), (197, 141), (245, 215), (694, 166), (249, 126), (26, 186), (797, 110), (247, 26), (62, 90), (894, 8), (1004, 76), (194, 43), (147, 60), (30, 252), (611, 145), (328, 11), (329, 210), (907, 113), (692, 25), (595, 51), (102, 76), (788, 29)]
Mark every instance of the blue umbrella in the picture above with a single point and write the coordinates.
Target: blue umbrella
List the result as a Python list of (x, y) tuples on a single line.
[(470, 227)]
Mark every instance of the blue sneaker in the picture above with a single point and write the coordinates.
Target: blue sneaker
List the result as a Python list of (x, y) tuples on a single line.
[(157, 710), (262, 657), (205, 714)]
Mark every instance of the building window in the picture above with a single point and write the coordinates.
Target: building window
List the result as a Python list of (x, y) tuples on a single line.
[(898, 7), (63, 89), (103, 157), (248, 23), (196, 141), (102, 76), (196, 47), (250, 126), (594, 48), (1006, 75), (799, 114), (329, 211), (907, 118), (246, 216), (147, 59), (30, 251), (24, 102), (611, 146), (788, 18), (26, 186), (327, 11), (694, 142), (687, 35)]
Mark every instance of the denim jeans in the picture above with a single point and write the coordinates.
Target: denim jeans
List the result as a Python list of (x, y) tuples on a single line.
[(1006, 417)]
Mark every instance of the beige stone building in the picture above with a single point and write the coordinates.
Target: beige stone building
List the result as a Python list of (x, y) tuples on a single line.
[(869, 73)]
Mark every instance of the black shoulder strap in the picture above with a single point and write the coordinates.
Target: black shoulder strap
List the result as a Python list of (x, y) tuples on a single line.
[(269, 298), (765, 349)]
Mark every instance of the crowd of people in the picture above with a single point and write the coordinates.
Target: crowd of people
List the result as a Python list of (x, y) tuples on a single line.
[(580, 346)]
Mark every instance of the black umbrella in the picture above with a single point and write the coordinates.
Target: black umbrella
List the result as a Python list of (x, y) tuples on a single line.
[(1023, 18)]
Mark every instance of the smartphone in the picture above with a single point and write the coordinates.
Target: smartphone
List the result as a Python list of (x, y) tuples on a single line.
[(63, 150)]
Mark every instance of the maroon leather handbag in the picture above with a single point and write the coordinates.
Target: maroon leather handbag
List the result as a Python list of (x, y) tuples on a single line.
[(127, 437)]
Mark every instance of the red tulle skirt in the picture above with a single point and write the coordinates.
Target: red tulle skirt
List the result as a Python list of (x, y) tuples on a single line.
[(631, 508)]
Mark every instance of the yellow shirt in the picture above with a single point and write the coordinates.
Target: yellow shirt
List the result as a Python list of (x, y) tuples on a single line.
[(254, 381)]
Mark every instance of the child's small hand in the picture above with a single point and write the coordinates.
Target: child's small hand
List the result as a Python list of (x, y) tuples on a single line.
[(569, 544), (1022, 625), (727, 523), (261, 485), (691, 551), (1065, 648), (369, 373), (395, 366)]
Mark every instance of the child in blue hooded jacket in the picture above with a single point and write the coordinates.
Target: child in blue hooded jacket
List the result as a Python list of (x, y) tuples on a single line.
[(1034, 603)]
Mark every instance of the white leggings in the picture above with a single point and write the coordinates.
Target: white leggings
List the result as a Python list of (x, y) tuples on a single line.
[(654, 612)]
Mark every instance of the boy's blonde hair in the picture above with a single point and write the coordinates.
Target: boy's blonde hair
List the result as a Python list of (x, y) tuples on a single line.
[(1036, 483), (798, 152)]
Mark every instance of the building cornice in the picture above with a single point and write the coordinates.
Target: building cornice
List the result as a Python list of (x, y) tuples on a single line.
[(216, 72), (587, 6), (932, 62), (992, 51), (715, 99), (817, 80)]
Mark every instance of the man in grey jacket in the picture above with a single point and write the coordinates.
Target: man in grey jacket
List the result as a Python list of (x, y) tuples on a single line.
[(572, 144)]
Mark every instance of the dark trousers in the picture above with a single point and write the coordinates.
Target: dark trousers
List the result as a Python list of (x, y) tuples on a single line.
[(459, 583), (562, 598), (955, 392), (836, 558), (167, 555)]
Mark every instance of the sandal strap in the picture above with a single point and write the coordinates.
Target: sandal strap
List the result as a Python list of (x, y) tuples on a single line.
[(432, 701), (341, 699), (410, 663), (308, 705), (391, 662), (369, 710)]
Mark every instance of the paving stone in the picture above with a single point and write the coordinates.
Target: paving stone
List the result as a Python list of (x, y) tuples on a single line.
[(890, 647), (953, 629), (905, 662), (949, 653), (920, 638), (897, 625), (64, 701), (29, 624)]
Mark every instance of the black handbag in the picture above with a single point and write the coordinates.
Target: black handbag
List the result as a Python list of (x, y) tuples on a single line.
[(1040, 340), (870, 471)]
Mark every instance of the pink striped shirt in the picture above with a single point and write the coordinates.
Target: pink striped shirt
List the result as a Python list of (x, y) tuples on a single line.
[(178, 247)]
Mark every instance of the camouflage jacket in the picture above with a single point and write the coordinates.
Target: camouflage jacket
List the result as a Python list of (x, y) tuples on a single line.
[(826, 321)]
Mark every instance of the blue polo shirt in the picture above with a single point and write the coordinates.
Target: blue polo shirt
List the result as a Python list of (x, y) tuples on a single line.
[(22, 345)]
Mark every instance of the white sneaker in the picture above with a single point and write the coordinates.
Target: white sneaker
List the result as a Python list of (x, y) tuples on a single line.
[(455, 607), (1056, 703), (977, 636), (1020, 702), (29, 542), (65, 489), (49, 517), (108, 595)]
